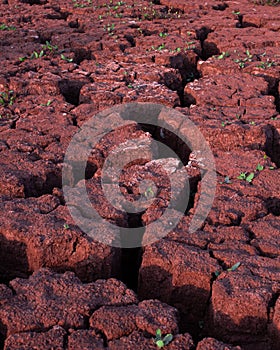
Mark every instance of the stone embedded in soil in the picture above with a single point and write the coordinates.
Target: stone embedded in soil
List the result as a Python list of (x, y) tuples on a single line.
[(27, 175), (101, 97), (48, 299), (51, 309), (32, 340), (153, 315), (33, 234), (213, 344), (239, 90), (238, 308), (118, 321), (137, 340), (86, 340), (266, 235), (179, 275), (115, 321)]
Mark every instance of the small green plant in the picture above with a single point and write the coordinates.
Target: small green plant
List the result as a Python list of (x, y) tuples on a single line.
[(149, 193), (259, 167), (159, 48), (162, 341), (47, 104), (109, 28), (226, 122), (3, 26), (36, 54), (234, 267), (82, 4), (223, 55), (64, 58), (236, 13), (66, 227), (247, 177), (231, 269), (266, 64), (190, 45), (163, 34), (7, 98), (49, 46), (242, 61)]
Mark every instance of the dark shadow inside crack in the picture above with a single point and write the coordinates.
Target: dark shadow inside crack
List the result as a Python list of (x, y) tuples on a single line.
[(70, 89), (272, 144), (169, 139), (13, 260), (273, 205), (191, 301)]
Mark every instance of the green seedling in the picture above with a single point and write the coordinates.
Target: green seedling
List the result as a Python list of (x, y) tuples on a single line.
[(22, 59), (231, 269), (234, 267), (47, 104), (244, 176), (159, 48), (162, 341), (223, 55), (77, 4), (36, 54), (3, 26), (250, 177), (66, 226), (109, 28), (49, 46), (266, 64), (224, 123), (217, 273), (242, 61), (259, 167), (190, 45), (130, 86), (177, 50), (64, 58), (7, 98), (163, 35), (236, 12), (149, 193)]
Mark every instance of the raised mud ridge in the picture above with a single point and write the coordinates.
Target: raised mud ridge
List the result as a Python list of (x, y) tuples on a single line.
[(218, 63)]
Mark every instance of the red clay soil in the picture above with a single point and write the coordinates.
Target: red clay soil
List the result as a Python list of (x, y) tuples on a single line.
[(218, 63)]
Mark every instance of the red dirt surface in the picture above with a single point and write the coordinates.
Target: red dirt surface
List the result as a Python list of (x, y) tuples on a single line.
[(218, 63)]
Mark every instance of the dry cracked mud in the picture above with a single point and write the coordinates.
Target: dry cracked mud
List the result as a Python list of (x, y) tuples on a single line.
[(218, 64)]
